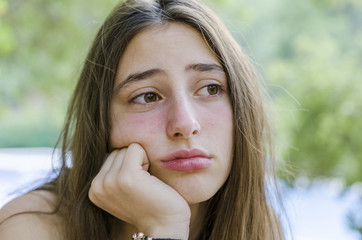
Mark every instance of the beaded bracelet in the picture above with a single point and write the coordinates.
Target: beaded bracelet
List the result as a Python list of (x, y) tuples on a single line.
[(141, 236)]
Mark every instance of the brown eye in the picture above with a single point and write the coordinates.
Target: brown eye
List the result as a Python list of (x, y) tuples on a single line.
[(145, 98), (150, 97), (213, 89)]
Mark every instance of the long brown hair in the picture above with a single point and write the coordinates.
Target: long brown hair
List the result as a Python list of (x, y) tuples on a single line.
[(240, 209)]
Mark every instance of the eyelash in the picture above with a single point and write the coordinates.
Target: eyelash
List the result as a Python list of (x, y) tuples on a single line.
[(219, 87), (220, 90), (133, 100)]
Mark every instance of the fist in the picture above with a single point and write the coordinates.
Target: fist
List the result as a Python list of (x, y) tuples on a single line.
[(124, 188)]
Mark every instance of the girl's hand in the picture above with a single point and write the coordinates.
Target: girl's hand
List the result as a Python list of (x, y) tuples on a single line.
[(125, 189)]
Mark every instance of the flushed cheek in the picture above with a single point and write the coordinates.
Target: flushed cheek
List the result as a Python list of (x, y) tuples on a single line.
[(219, 130), (135, 127), (218, 118)]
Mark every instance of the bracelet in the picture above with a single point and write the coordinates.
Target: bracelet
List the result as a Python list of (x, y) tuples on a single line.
[(141, 236)]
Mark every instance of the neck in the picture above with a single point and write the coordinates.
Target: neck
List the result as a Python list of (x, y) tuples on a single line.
[(122, 230), (198, 212)]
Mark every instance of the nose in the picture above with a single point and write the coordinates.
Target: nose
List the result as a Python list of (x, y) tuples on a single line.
[(182, 120)]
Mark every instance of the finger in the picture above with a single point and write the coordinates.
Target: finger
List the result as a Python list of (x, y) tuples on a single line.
[(96, 188), (108, 163), (117, 162), (135, 158)]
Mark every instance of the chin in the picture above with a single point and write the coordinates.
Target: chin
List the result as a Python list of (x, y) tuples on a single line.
[(194, 187), (195, 192), (194, 200)]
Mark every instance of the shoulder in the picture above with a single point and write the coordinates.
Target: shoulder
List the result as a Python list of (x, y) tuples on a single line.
[(26, 217)]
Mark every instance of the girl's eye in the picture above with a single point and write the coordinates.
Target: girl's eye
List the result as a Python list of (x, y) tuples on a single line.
[(213, 89), (210, 90), (145, 98), (150, 97)]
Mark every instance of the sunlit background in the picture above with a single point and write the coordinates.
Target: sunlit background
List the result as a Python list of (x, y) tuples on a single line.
[(308, 53)]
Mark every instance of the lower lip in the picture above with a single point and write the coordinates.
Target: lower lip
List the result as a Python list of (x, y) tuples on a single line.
[(187, 164)]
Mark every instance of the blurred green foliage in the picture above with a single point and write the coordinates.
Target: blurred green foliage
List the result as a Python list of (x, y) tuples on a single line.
[(42, 47), (309, 52)]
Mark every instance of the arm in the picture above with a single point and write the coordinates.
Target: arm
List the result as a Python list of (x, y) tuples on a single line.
[(16, 223)]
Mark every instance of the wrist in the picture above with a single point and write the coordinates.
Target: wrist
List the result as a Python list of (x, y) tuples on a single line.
[(173, 234), (141, 236), (175, 230)]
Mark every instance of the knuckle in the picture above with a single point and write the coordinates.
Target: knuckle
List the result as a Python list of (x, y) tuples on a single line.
[(134, 147), (138, 149), (108, 181), (92, 197), (95, 187), (93, 193)]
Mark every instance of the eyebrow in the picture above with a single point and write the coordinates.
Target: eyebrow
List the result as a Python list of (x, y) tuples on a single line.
[(139, 76), (204, 67), (199, 67)]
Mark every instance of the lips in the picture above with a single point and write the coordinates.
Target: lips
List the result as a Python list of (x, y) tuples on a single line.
[(187, 160)]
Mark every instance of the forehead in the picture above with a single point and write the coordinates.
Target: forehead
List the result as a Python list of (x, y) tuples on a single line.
[(167, 46)]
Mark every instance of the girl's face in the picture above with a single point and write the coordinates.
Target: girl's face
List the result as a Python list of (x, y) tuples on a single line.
[(170, 96)]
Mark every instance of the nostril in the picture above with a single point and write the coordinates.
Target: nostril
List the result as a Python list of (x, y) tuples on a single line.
[(182, 124), (179, 134)]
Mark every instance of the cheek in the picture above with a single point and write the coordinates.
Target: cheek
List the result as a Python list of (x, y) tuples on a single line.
[(131, 128), (219, 119), (219, 128)]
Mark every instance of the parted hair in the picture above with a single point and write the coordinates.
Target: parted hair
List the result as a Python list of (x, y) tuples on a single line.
[(240, 209)]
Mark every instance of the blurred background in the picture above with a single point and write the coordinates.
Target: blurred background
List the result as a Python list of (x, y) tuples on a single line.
[(308, 53)]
